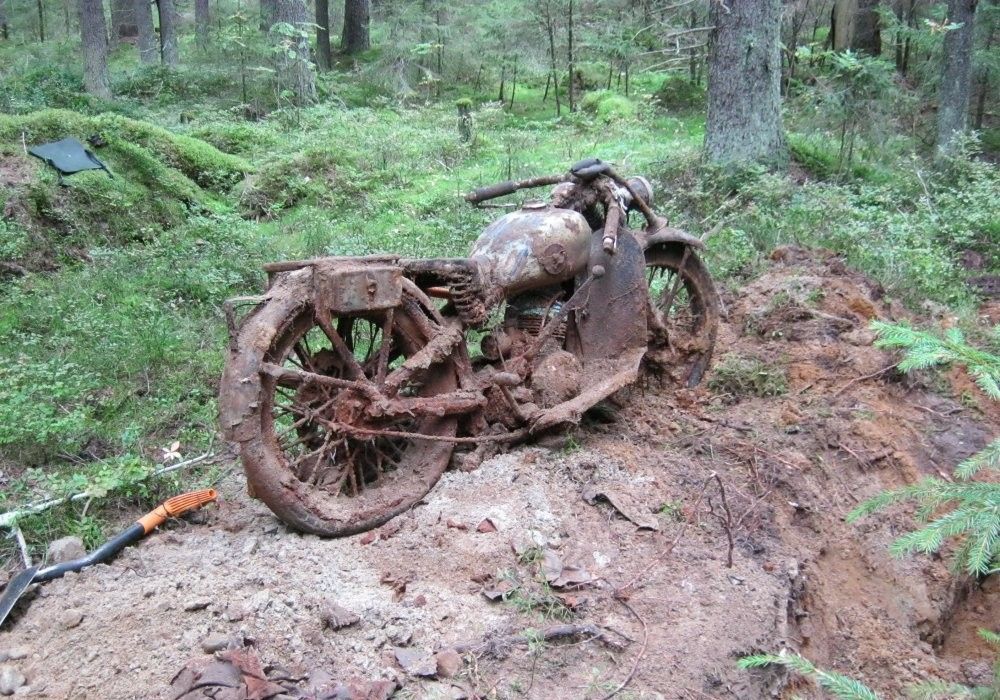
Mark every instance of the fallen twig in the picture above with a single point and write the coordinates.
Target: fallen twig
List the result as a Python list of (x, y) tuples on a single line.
[(497, 646), (624, 590), (638, 657), (726, 522), (23, 546), (9, 519), (854, 381)]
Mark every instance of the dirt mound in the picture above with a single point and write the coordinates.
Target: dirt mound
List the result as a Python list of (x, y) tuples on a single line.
[(528, 567)]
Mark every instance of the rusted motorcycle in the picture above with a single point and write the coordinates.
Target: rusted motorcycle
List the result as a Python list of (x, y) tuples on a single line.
[(355, 381)]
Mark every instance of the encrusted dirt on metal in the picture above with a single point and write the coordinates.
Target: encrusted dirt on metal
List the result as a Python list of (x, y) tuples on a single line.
[(792, 465)]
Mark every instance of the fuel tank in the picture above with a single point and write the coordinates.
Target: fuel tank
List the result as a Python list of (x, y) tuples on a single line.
[(536, 246)]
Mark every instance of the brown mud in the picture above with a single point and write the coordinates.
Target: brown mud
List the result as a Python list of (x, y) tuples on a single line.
[(536, 529)]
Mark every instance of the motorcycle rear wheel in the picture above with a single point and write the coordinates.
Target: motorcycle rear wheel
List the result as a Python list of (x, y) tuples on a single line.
[(684, 311), (299, 458)]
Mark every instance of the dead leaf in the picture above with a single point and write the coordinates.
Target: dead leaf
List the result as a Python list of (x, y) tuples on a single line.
[(560, 575), (499, 590), (622, 500)]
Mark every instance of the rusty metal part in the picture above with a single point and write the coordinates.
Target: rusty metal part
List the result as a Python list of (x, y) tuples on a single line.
[(601, 379), (609, 241), (501, 189), (510, 251), (613, 320), (682, 327), (347, 388), (327, 482), (668, 234), (340, 288)]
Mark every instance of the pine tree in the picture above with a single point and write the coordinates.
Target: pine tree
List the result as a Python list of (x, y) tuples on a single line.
[(974, 506)]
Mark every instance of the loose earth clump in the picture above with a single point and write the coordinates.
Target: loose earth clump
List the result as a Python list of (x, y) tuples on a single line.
[(529, 577)]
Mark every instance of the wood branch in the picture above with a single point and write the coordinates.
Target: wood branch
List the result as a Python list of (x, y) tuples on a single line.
[(499, 646)]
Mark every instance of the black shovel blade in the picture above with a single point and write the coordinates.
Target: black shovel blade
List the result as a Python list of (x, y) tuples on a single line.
[(14, 589)]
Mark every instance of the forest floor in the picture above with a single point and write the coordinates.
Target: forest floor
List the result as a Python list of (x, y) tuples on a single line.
[(670, 615)]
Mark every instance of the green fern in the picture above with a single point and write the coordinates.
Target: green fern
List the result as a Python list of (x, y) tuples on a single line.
[(838, 685), (974, 513)]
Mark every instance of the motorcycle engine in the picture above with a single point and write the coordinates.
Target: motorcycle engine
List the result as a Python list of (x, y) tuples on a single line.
[(555, 374)]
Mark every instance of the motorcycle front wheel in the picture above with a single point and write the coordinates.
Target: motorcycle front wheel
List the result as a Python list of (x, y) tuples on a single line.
[(683, 314), (294, 384)]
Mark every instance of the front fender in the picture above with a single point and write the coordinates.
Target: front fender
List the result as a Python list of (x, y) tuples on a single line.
[(669, 234)]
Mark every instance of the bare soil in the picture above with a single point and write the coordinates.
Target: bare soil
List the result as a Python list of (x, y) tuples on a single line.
[(674, 615)]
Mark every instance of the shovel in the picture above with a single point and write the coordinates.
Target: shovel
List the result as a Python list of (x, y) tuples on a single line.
[(170, 508)]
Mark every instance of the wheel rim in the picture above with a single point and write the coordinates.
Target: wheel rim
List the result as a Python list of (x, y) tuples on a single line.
[(682, 316), (355, 480)]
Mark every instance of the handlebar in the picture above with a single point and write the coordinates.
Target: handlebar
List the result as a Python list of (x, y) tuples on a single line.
[(582, 172), (511, 186)]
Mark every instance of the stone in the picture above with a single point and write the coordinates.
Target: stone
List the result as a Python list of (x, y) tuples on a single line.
[(416, 662), (336, 617), (14, 654), (10, 680), (66, 549), (449, 663), (195, 604), (214, 643), (71, 618)]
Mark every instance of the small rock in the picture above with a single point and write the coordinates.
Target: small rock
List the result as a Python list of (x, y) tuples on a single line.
[(14, 654), (66, 549), (71, 618), (195, 604), (234, 613), (10, 680), (486, 526), (416, 662), (214, 643), (335, 617), (449, 663)]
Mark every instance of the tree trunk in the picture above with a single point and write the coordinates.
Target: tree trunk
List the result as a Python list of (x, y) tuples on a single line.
[(956, 75), (571, 60), (4, 27), (356, 37), (867, 37), (324, 57), (148, 53), (94, 32), (123, 25), (842, 23), (202, 23), (41, 20), (744, 78), (294, 70), (168, 32), (268, 14)]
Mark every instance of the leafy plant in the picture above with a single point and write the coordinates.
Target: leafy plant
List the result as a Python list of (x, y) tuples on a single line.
[(838, 685), (974, 506)]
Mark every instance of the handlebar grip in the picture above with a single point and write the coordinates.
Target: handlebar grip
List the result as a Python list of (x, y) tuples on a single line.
[(491, 192), (175, 506)]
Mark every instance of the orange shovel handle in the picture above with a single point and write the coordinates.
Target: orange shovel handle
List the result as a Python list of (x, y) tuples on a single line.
[(173, 507)]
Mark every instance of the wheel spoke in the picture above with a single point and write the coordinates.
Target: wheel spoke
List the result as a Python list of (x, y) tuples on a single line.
[(340, 347)]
